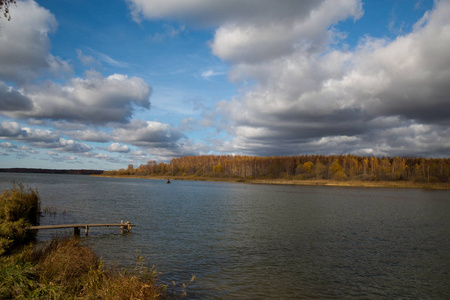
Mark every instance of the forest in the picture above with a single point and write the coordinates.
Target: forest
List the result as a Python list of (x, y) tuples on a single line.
[(303, 167)]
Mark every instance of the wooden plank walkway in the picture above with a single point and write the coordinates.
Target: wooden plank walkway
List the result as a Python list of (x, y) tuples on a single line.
[(76, 227)]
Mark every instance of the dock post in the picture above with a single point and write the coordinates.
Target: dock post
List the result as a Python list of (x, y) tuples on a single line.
[(86, 230), (76, 231), (121, 227)]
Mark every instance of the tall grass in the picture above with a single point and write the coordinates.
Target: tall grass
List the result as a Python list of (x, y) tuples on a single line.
[(19, 209), (66, 269)]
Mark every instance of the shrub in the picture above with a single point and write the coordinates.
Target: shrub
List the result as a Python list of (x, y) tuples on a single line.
[(19, 203), (19, 209)]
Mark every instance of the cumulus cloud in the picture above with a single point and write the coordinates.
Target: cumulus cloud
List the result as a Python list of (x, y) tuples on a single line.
[(72, 146), (11, 129), (306, 101), (41, 138), (25, 43), (25, 55), (8, 145), (13, 100), (217, 12), (94, 99), (117, 147), (248, 43), (255, 30), (148, 134), (90, 135)]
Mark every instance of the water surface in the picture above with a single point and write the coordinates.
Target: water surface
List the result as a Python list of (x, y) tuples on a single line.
[(247, 241)]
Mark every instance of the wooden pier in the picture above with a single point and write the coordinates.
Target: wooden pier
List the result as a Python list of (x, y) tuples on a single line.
[(76, 227)]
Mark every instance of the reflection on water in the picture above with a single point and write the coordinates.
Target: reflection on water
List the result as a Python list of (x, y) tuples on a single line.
[(264, 242)]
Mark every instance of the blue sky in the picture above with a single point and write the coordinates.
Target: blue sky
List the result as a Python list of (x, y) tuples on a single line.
[(103, 84)]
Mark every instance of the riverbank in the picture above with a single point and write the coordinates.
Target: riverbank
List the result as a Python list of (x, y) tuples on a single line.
[(320, 182)]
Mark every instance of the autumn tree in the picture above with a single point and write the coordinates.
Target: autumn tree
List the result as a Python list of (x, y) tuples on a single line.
[(303, 167), (217, 168), (319, 170), (336, 171)]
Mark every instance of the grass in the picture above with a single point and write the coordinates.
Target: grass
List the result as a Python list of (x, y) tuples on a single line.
[(63, 268), (66, 269)]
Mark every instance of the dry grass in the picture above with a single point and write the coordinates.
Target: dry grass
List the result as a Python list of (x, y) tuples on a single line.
[(65, 262), (356, 183), (66, 269)]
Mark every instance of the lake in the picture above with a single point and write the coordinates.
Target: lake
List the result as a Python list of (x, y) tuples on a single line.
[(245, 241)]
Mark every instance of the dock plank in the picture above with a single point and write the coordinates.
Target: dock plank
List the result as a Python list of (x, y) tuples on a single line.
[(76, 227), (81, 225)]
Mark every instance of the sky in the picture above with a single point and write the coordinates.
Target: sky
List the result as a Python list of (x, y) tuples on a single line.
[(104, 84)]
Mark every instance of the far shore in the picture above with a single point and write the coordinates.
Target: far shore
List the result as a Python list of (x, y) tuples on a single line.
[(313, 182)]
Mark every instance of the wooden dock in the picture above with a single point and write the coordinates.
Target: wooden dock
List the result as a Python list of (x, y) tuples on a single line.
[(76, 227)]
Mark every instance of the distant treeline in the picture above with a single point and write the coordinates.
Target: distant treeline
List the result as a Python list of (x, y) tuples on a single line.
[(52, 171), (303, 167)]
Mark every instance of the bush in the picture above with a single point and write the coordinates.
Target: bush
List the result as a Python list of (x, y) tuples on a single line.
[(19, 203), (19, 209)]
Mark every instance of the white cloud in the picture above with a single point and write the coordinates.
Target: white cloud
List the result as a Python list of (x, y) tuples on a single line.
[(217, 12), (249, 43), (11, 129), (25, 44), (71, 146), (86, 60), (12, 99), (41, 138), (211, 73), (148, 134), (117, 147), (8, 145), (94, 99), (330, 93)]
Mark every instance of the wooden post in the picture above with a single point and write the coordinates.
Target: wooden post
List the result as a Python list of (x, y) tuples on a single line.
[(86, 230), (121, 227), (76, 231)]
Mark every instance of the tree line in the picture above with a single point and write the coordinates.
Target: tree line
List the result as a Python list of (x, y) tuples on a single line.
[(51, 171), (303, 167)]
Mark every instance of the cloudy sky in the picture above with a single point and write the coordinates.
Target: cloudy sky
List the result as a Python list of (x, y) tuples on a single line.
[(102, 84)]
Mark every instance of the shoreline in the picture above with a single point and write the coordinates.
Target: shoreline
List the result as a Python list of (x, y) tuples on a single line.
[(315, 182)]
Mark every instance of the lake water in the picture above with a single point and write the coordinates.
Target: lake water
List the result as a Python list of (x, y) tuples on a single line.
[(245, 241)]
